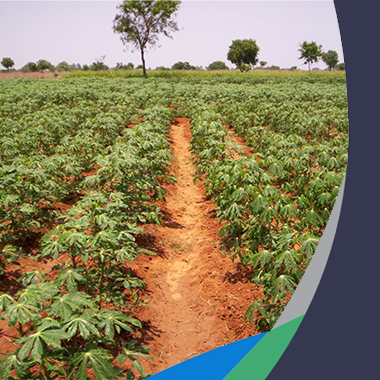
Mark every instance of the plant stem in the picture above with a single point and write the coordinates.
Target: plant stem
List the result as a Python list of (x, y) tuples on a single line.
[(21, 333)]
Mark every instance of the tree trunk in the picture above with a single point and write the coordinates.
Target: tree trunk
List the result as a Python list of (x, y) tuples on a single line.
[(309, 65), (143, 62)]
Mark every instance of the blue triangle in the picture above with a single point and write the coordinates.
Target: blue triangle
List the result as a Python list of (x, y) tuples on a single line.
[(212, 365)]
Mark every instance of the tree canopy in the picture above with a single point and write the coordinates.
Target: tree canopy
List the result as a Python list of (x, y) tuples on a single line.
[(7, 62), (243, 53), (310, 52), (99, 64), (139, 23), (122, 66), (217, 65), (63, 66), (330, 59), (43, 65), (341, 66), (183, 66), (29, 67)]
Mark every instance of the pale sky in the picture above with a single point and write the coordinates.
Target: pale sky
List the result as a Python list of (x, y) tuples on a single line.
[(81, 31)]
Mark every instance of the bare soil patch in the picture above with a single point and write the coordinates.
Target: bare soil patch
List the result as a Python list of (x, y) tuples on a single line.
[(19, 75)]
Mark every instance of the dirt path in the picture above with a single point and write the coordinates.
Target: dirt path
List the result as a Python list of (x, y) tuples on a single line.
[(197, 295)]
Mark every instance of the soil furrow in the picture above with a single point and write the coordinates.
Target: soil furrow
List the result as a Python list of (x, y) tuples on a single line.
[(245, 150), (198, 296)]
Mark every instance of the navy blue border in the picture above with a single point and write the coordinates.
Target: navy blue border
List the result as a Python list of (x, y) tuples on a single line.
[(339, 336)]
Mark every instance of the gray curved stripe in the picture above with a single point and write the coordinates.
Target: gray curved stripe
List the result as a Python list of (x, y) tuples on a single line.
[(301, 299)]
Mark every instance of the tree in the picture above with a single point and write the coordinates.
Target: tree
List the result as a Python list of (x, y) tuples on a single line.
[(341, 66), (29, 67), (99, 64), (43, 65), (141, 22), (243, 53), (310, 52), (217, 65), (63, 66), (75, 66), (162, 68), (121, 66), (183, 66), (263, 63), (7, 62), (331, 59)]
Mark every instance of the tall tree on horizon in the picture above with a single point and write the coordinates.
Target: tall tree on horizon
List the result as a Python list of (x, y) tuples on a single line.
[(310, 52), (243, 54), (139, 23)]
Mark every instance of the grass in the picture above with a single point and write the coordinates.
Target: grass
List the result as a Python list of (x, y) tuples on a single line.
[(233, 75), (226, 76)]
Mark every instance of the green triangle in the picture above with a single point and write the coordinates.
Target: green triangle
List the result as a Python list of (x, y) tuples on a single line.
[(258, 363)]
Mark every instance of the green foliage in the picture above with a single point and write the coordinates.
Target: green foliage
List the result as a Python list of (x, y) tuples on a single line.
[(183, 66), (9, 254), (43, 65), (72, 144), (132, 351), (219, 77), (121, 66), (90, 299), (310, 52), (96, 358), (243, 53), (7, 62), (217, 65), (30, 67), (64, 66), (274, 204), (330, 58), (139, 23), (341, 66), (99, 65)]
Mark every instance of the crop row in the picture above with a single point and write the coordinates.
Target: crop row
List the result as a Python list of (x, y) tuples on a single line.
[(274, 205), (99, 147), (81, 316)]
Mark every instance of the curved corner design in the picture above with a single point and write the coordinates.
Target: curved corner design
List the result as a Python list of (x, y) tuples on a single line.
[(302, 297), (262, 358), (212, 365)]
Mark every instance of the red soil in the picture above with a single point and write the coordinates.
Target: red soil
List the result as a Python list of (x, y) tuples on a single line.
[(198, 296)]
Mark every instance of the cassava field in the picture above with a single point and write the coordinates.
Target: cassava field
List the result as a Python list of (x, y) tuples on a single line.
[(146, 221)]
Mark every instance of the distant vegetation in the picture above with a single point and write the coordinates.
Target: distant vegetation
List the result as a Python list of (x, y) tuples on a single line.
[(217, 65), (311, 53), (243, 54), (231, 76), (185, 66), (7, 63), (130, 69), (139, 25)]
